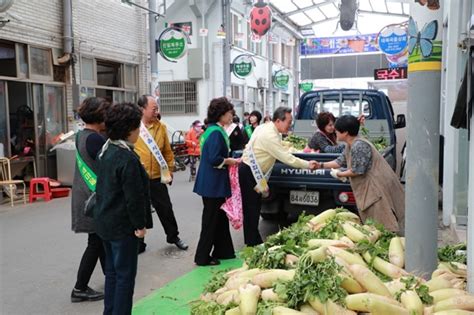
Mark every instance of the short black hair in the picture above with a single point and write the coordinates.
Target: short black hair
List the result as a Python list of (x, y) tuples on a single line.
[(143, 100), (92, 110), (257, 114), (236, 119), (280, 113), (246, 113), (121, 119), (218, 108), (348, 123)]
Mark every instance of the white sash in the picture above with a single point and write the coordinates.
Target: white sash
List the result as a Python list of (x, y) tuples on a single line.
[(230, 129), (260, 178), (153, 147)]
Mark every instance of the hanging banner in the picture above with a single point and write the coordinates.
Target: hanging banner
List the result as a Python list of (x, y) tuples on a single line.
[(172, 43), (186, 27), (260, 18), (306, 86), (425, 38), (339, 45), (242, 66), (281, 78)]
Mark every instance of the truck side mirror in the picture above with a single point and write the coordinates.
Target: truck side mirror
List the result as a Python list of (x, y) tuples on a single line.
[(401, 121)]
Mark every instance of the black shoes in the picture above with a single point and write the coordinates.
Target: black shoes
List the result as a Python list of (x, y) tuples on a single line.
[(181, 245), (211, 262), (86, 295)]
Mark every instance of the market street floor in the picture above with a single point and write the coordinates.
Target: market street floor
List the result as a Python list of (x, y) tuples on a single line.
[(39, 254)]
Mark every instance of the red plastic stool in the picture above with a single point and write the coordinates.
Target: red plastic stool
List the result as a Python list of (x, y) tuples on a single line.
[(35, 194)]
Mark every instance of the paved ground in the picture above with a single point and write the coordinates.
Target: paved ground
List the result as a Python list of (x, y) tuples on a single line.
[(39, 254)]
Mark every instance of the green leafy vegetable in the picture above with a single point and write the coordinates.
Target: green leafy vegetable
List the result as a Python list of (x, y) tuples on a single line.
[(412, 283), (299, 143), (449, 253), (217, 281), (209, 308), (312, 280)]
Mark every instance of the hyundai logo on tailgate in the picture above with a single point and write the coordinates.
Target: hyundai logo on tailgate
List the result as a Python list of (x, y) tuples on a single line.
[(297, 171)]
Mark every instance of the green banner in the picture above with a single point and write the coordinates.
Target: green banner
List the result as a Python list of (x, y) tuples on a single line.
[(173, 48), (281, 79), (306, 86)]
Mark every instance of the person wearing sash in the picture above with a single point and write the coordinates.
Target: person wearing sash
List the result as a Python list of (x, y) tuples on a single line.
[(88, 143), (122, 208), (260, 154), (324, 140), (213, 185), (154, 149), (254, 121), (378, 192)]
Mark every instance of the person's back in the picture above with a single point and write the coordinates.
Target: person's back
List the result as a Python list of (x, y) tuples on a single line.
[(121, 182)]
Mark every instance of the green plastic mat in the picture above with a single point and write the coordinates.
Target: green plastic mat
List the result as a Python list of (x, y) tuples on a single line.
[(174, 297)]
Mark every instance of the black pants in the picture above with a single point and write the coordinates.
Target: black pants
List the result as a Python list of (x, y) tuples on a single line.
[(215, 234), (251, 203), (160, 199), (94, 251)]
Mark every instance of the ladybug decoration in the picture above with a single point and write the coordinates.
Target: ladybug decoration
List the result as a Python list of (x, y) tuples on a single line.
[(260, 18)]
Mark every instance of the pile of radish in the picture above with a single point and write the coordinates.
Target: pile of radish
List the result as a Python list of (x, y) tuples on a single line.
[(334, 264)]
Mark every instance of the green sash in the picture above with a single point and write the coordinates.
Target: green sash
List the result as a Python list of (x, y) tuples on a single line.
[(210, 130), (248, 130), (87, 174)]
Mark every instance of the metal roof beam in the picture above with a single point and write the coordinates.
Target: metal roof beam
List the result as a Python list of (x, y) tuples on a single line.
[(309, 8)]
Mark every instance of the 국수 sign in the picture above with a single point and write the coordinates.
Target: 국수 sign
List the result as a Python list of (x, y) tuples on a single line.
[(393, 40), (390, 73), (172, 44), (281, 79), (242, 66), (306, 86)]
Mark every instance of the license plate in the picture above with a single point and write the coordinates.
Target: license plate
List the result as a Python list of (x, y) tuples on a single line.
[(308, 198)]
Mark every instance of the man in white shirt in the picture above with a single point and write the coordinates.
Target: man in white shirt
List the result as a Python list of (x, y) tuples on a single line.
[(264, 148)]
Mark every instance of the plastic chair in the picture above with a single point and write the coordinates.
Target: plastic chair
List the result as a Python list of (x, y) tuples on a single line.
[(9, 185), (46, 194)]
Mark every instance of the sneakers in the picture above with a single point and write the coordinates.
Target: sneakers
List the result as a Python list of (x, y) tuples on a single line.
[(86, 295), (181, 245)]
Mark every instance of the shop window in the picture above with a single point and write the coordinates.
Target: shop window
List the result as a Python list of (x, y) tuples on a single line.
[(7, 59), (130, 76), (4, 148), (178, 97), (276, 51), (237, 32), (236, 92), (87, 71), (287, 55), (22, 60), (130, 97), (109, 73), (41, 63)]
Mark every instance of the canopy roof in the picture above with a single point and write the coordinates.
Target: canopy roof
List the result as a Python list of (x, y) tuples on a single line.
[(322, 16)]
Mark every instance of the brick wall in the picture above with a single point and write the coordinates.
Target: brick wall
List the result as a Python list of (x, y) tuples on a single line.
[(105, 29)]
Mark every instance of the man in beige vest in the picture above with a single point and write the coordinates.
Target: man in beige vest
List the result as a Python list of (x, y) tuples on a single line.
[(377, 190), (262, 151)]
